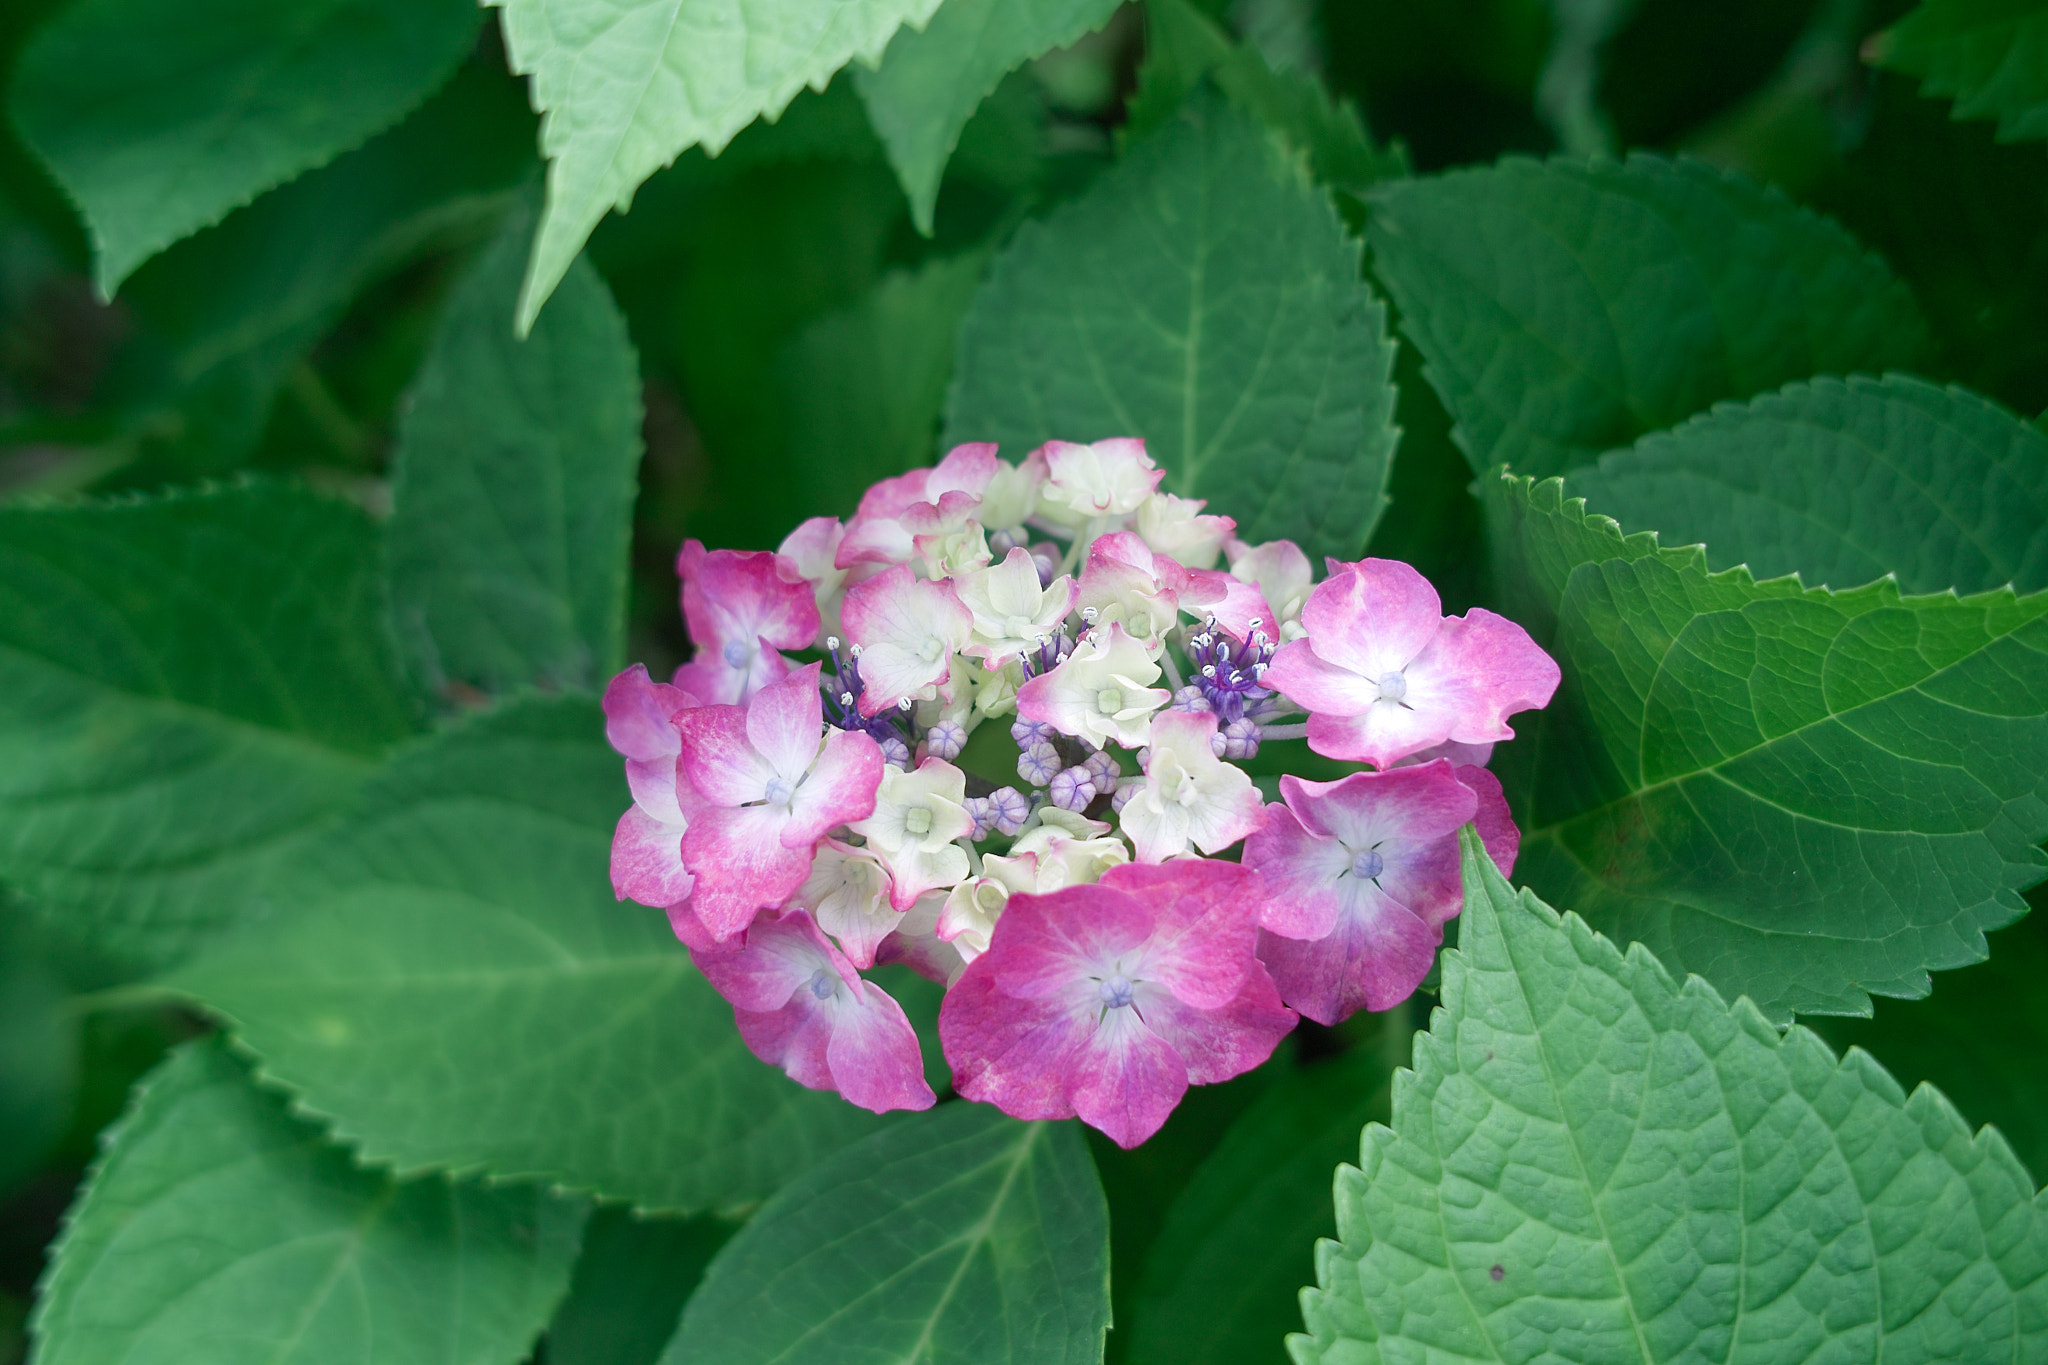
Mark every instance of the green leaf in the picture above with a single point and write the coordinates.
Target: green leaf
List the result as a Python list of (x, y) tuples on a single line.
[(930, 83), (1989, 56), (456, 988), (233, 308), (513, 486), (631, 1281), (1215, 1288), (867, 382), (188, 685), (39, 1049), (1569, 307), (158, 120), (1182, 45), (1593, 1162), (1201, 295), (1804, 796), (628, 84), (958, 1234), (1842, 483), (216, 1227)]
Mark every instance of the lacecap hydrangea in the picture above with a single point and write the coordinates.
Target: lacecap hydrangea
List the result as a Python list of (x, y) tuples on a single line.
[(799, 813)]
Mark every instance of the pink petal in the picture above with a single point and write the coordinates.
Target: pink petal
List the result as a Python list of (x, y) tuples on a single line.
[(718, 764), (1410, 816), (1301, 867), (965, 469), (1373, 960), (892, 615), (873, 1054), (636, 715), (1497, 829), (712, 679), (1046, 946), (1372, 617), (875, 540), (691, 931), (1298, 673), (1235, 604), (741, 865), (1126, 1080), (1205, 916), (840, 789), (1481, 669), (1460, 755), (744, 596), (776, 960), (1009, 1053), (1381, 735), (653, 784), (1216, 1044), (647, 860), (888, 498), (785, 722)]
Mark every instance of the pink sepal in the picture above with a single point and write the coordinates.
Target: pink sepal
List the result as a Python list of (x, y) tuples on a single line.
[(647, 860)]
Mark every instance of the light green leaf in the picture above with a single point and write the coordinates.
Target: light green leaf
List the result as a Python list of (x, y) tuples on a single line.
[(1568, 307), (957, 1235), (188, 685), (1216, 1288), (865, 383), (1593, 1162), (456, 988), (1989, 56), (1201, 295), (159, 120), (1842, 483), (630, 1285), (217, 1228), (930, 83), (513, 486), (628, 84), (1804, 796)]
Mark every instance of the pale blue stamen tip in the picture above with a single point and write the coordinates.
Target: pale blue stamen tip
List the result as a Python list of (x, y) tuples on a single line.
[(1116, 992), (1368, 865), (780, 789), (821, 984), (736, 654)]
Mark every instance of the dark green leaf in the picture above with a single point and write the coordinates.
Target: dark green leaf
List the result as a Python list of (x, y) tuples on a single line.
[(513, 486), (1990, 56), (1566, 307), (188, 685), (862, 387), (218, 1228), (1201, 295), (1594, 1162), (38, 1048), (456, 987), (1842, 483), (930, 83), (159, 120), (631, 1281), (1804, 796), (957, 1235), (1216, 1288)]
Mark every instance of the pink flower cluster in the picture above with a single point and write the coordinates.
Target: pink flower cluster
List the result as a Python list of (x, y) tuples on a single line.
[(805, 821)]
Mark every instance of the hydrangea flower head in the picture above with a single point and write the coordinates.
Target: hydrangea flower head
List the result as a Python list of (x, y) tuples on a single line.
[(1107, 479), (923, 502), (1100, 693), (907, 630), (1012, 612), (1108, 1000), (1383, 674), (917, 817)]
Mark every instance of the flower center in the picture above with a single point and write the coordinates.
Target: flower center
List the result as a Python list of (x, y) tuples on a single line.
[(1116, 992), (821, 984), (1393, 686), (1109, 701), (780, 789), (932, 648), (917, 821), (735, 655), (1368, 865)]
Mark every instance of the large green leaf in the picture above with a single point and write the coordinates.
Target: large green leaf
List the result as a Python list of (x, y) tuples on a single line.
[(1568, 307), (861, 387), (513, 486), (158, 120), (957, 1235), (39, 1048), (628, 84), (1215, 1287), (1842, 483), (456, 987), (218, 1228), (1990, 56), (631, 1281), (1596, 1163), (188, 685), (1802, 795), (930, 83), (1204, 296), (233, 308)]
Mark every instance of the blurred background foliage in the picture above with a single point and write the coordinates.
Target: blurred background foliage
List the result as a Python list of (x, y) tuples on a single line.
[(794, 332)]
